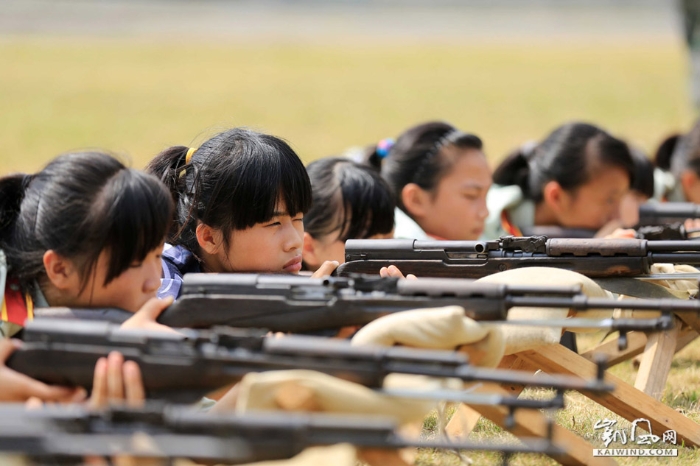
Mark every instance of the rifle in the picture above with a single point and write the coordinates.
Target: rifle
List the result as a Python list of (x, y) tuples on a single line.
[(671, 231), (301, 304), (289, 303), (185, 367), (475, 259), (66, 434), (667, 212)]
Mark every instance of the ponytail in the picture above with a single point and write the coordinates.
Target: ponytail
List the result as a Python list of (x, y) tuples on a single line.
[(12, 189), (664, 154), (170, 167), (515, 170), (167, 166)]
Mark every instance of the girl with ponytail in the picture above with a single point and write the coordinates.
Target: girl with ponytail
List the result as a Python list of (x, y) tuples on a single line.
[(240, 202), (440, 177), (85, 231), (677, 178), (575, 178)]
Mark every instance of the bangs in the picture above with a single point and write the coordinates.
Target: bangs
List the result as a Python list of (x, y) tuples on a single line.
[(267, 172), (137, 208)]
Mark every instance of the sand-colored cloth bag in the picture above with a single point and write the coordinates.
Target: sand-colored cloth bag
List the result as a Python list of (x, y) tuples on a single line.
[(309, 391), (444, 328), (521, 338), (485, 342)]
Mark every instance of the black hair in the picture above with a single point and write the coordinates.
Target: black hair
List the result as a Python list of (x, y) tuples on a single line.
[(232, 181), (79, 205), (420, 156), (566, 156), (643, 174), (686, 153), (350, 198), (664, 153)]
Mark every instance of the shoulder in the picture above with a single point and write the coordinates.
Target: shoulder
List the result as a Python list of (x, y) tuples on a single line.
[(176, 262), (498, 199), (406, 227)]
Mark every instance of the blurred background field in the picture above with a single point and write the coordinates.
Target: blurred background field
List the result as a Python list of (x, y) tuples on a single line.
[(136, 77)]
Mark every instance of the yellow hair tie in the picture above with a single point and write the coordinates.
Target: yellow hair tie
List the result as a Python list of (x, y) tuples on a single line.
[(188, 158), (190, 153)]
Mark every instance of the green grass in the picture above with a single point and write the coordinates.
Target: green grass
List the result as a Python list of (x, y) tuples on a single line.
[(581, 414), (138, 97)]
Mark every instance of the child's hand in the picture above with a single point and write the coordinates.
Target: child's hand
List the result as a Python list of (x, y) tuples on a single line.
[(19, 387), (622, 233), (393, 271), (326, 269), (145, 318), (692, 224), (117, 382)]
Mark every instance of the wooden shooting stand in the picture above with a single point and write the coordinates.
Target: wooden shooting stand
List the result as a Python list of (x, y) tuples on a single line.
[(640, 401)]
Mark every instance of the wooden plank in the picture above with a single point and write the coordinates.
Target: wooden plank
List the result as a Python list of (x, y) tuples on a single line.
[(636, 341), (625, 400), (656, 361), (464, 418), (532, 423), (685, 337), (691, 319)]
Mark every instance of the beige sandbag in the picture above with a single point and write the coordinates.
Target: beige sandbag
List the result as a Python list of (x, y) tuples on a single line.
[(303, 390), (521, 338), (684, 289), (342, 454), (443, 328), (681, 289)]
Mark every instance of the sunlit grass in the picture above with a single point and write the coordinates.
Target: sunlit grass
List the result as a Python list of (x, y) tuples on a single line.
[(140, 97)]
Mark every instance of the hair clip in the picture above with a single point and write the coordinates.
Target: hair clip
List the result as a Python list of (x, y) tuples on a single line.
[(188, 159), (384, 146), (190, 153)]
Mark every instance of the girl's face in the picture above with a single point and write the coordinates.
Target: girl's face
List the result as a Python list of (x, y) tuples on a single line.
[(129, 291), (456, 209), (329, 248), (595, 203), (272, 246), (629, 208)]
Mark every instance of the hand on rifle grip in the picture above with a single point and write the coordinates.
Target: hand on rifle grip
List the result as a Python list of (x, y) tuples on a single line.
[(326, 269), (145, 318), (19, 387), (117, 382), (393, 271)]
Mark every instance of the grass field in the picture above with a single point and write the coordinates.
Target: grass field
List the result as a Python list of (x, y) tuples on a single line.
[(138, 97), (580, 415)]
